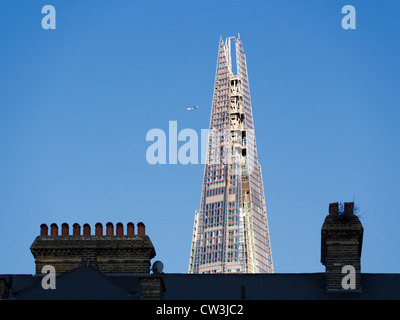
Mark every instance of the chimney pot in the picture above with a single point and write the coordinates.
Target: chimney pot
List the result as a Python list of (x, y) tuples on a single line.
[(86, 229), (334, 208), (99, 229), (120, 229), (348, 208), (65, 229), (130, 229), (54, 229), (109, 229), (76, 229), (141, 229), (44, 230)]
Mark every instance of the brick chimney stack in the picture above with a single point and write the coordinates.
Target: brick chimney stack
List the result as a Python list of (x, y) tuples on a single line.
[(341, 243), (114, 252)]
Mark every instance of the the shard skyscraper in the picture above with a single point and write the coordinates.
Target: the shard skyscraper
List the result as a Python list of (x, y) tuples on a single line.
[(230, 233)]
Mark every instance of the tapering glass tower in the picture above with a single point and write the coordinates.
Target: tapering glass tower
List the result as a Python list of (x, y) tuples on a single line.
[(230, 233)]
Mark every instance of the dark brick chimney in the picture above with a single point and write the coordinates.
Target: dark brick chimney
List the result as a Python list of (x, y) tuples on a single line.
[(110, 253), (341, 243)]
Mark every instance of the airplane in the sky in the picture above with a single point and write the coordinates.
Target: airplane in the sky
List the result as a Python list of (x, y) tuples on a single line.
[(192, 108)]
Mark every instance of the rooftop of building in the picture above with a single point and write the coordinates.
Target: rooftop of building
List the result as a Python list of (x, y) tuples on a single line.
[(88, 283), (92, 278)]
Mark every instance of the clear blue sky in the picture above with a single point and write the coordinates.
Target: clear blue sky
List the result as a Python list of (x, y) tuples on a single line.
[(76, 104)]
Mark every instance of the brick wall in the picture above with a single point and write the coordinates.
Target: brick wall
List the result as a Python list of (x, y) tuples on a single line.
[(152, 287), (341, 243)]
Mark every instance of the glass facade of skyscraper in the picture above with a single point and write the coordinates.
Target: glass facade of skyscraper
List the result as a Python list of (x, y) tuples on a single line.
[(230, 233)]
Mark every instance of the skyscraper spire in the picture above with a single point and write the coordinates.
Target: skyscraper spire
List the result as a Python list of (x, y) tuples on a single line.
[(230, 232)]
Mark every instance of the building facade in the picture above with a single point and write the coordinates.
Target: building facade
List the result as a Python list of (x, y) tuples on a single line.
[(230, 233)]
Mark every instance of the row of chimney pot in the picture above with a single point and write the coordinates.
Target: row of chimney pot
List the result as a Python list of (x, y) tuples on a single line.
[(44, 230)]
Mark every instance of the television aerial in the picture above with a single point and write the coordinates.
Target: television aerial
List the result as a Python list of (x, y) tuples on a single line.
[(157, 267)]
